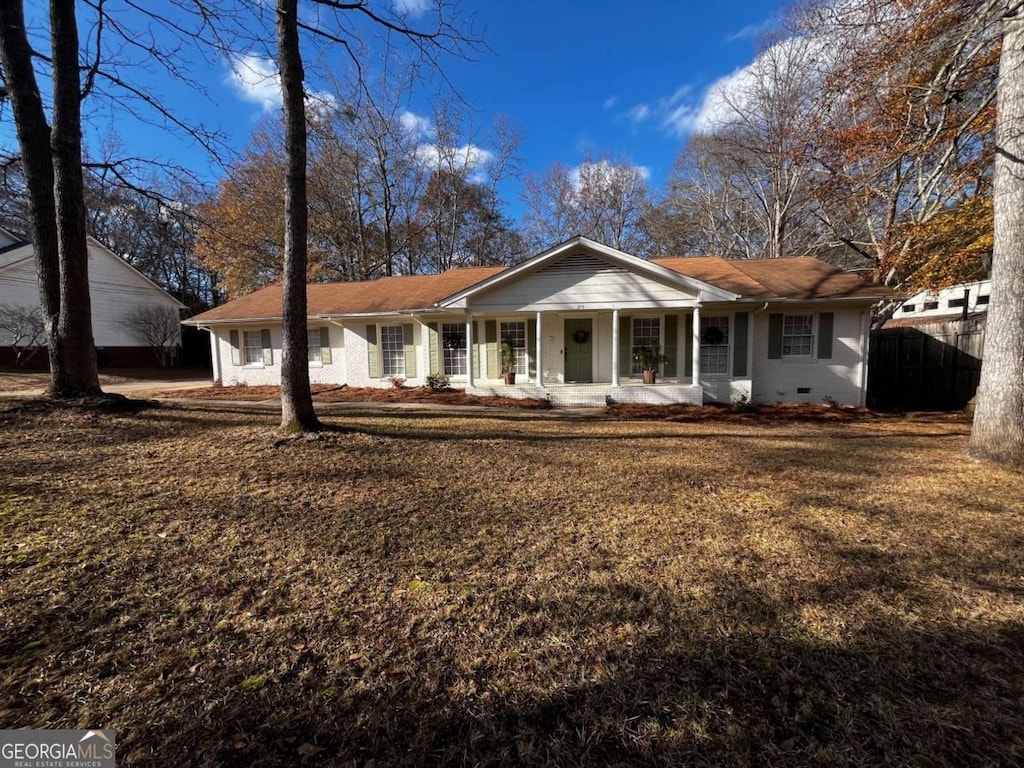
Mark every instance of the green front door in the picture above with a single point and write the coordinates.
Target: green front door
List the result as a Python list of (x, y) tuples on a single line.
[(579, 350)]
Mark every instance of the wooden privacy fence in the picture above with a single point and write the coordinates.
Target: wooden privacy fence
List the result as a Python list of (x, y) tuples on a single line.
[(934, 366)]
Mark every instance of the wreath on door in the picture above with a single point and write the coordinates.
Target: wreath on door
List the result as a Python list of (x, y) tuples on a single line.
[(581, 336)]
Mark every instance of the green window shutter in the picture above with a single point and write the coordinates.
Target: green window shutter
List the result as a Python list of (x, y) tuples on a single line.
[(775, 336), (434, 347), (408, 338), (236, 351), (372, 357), (268, 351), (825, 333), (531, 346), (688, 347), (739, 343), (671, 345), (325, 345), (625, 346), (491, 337)]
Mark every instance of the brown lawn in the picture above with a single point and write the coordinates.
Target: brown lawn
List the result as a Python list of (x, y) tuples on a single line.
[(507, 588)]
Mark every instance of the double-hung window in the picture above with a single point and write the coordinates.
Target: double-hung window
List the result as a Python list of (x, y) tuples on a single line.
[(646, 332), (513, 333), (252, 348), (797, 335), (313, 343), (714, 345), (392, 350), (453, 348)]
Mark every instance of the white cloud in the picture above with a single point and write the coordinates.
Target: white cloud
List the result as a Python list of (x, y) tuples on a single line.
[(469, 157), (796, 59), (610, 102), (639, 113), (258, 80), (411, 7), (605, 171), (750, 31), (414, 124)]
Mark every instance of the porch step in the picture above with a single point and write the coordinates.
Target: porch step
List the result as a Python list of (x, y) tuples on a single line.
[(578, 396)]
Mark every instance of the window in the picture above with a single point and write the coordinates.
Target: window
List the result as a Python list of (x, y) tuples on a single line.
[(714, 345), (453, 347), (392, 350), (909, 307), (797, 335), (646, 331), (931, 305), (514, 334), (252, 348), (955, 303), (313, 341), (983, 299)]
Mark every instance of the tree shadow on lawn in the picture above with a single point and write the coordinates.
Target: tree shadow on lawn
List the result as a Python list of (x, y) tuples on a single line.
[(733, 682)]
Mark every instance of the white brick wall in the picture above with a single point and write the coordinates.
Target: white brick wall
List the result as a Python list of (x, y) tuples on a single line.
[(838, 378), (260, 375)]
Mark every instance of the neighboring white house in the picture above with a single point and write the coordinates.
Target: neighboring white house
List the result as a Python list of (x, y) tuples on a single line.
[(943, 304), (117, 290), (789, 330)]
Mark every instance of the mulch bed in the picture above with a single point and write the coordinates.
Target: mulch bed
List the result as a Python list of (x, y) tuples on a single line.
[(330, 393)]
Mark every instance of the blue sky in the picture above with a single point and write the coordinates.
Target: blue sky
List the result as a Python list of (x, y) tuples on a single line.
[(629, 80)]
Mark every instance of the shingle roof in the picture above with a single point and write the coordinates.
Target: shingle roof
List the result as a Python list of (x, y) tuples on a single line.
[(759, 279), (801, 277), (388, 294)]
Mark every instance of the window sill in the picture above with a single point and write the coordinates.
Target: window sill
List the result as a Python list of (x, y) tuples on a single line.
[(253, 366), (315, 364)]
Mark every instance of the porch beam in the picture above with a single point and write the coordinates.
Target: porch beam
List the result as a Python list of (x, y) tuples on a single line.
[(695, 346), (469, 351), (539, 362), (615, 347)]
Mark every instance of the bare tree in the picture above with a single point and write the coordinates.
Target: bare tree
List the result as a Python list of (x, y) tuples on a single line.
[(334, 24), (159, 327), (602, 198), (998, 431), (744, 176), (24, 329)]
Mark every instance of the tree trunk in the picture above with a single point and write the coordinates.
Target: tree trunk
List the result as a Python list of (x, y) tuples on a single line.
[(998, 432), (76, 373), (297, 414), (34, 142)]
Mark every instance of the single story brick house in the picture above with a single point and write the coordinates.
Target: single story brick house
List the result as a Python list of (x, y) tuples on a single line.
[(786, 330)]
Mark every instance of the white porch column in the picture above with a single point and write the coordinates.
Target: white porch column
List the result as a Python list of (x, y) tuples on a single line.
[(695, 352), (214, 354), (469, 351), (539, 362), (615, 347)]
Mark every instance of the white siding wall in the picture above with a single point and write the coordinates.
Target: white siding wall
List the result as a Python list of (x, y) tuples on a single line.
[(580, 282), (116, 290), (259, 375), (838, 378)]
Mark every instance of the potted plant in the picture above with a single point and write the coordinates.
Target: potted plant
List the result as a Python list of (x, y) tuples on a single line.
[(650, 358), (508, 363)]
